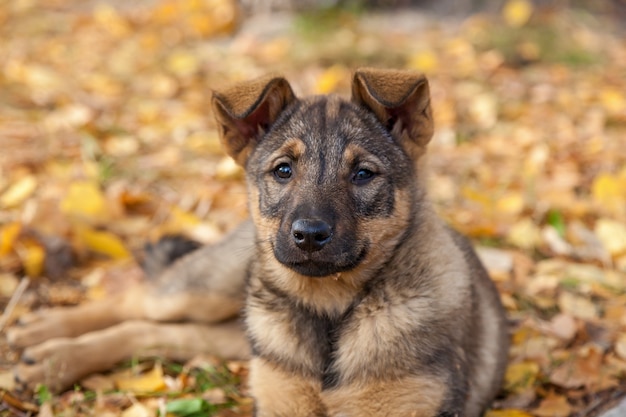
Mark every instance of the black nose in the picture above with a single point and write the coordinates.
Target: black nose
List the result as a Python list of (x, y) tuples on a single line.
[(310, 235)]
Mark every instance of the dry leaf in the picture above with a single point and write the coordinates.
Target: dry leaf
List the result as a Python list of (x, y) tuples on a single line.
[(33, 255), (103, 242), (612, 234), (19, 191), (8, 236), (577, 306), (425, 61), (330, 79), (563, 326), (521, 376), (137, 410), (582, 370), (524, 234), (553, 405), (516, 13), (85, 200), (151, 381)]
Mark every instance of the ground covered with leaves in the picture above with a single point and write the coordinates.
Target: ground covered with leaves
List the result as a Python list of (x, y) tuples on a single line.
[(106, 142)]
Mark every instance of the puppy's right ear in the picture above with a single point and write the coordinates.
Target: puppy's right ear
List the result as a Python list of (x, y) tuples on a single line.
[(246, 111)]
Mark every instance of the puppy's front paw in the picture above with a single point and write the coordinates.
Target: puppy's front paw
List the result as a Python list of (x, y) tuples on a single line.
[(53, 363), (33, 328)]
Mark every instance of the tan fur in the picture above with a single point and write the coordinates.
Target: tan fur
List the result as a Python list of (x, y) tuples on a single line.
[(282, 394), (407, 397)]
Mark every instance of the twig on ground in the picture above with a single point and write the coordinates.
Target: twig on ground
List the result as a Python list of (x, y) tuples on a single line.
[(15, 298)]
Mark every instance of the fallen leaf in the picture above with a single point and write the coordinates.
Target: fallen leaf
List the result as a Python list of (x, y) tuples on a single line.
[(612, 234), (521, 376), (7, 380), (137, 410), (103, 242), (563, 326), (577, 306), (151, 381), (18, 191), (182, 63), (33, 255), (524, 234), (330, 79), (8, 236), (85, 200), (553, 405), (425, 61), (516, 13), (583, 369), (609, 193)]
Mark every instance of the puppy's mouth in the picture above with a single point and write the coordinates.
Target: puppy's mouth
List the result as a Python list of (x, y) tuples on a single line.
[(320, 266)]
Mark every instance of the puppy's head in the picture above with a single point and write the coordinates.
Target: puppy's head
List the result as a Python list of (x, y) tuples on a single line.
[(332, 182)]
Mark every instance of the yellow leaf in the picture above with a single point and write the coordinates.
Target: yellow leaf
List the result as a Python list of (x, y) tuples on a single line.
[(106, 16), (137, 410), (577, 306), (521, 376), (8, 235), (507, 413), (613, 100), (329, 80), (485, 200), (609, 192), (85, 199), (103, 242), (612, 234), (19, 191), (181, 219), (516, 13), (166, 12), (151, 381), (33, 256), (510, 203), (524, 234), (425, 61), (182, 63)]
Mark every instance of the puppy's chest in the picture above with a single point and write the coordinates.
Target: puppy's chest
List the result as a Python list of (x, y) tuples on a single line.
[(330, 349)]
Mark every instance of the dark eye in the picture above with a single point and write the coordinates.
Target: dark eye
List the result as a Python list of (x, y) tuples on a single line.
[(283, 171), (362, 176)]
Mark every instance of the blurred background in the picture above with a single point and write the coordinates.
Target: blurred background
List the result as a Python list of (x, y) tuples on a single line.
[(107, 142)]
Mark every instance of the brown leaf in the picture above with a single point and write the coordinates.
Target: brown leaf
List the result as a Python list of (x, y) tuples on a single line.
[(553, 405), (583, 369)]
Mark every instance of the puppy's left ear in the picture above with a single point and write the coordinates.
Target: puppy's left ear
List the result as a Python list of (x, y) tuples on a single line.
[(400, 100), (247, 110)]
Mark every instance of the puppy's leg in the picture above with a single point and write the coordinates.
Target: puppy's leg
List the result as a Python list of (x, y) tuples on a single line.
[(59, 363), (280, 394), (35, 327), (206, 285), (411, 396)]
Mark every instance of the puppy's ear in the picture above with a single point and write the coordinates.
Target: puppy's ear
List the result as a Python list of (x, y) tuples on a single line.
[(400, 100), (247, 110)]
